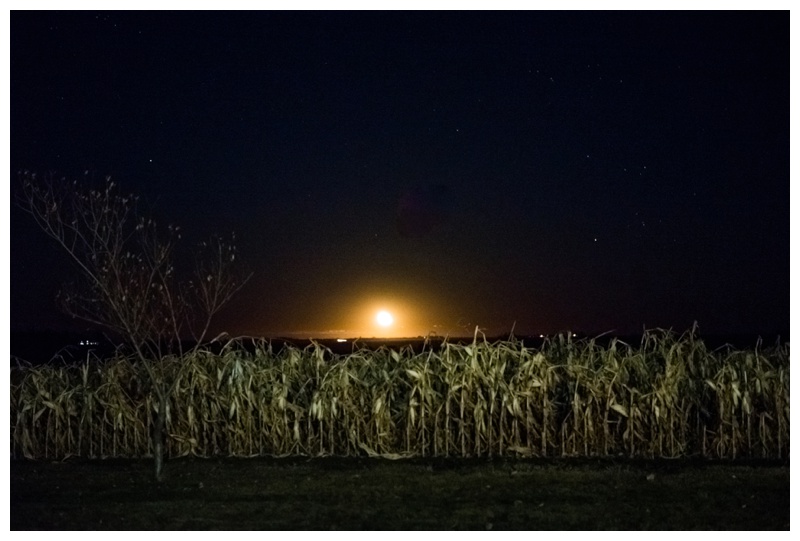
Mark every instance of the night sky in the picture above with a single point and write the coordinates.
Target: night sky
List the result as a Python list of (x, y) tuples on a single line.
[(552, 171)]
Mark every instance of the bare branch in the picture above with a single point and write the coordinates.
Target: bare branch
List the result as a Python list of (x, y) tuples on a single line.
[(129, 283)]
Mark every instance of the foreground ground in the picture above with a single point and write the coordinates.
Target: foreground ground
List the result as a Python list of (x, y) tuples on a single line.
[(360, 494)]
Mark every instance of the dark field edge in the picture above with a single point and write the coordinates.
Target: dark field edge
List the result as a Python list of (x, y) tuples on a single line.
[(371, 493), (344, 463)]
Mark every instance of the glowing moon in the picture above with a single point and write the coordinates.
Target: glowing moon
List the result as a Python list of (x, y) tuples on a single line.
[(384, 318)]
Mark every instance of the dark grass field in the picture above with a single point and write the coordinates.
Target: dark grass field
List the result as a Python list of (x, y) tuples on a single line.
[(413, 494)]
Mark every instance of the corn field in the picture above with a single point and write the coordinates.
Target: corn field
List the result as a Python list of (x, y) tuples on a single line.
[(667, 397)]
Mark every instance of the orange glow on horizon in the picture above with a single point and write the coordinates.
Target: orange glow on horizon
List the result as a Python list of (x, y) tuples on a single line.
[(383, 316), (352, 313)]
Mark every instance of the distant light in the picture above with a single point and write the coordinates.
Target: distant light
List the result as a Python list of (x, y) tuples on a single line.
[(341, 340), (384, 318)]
